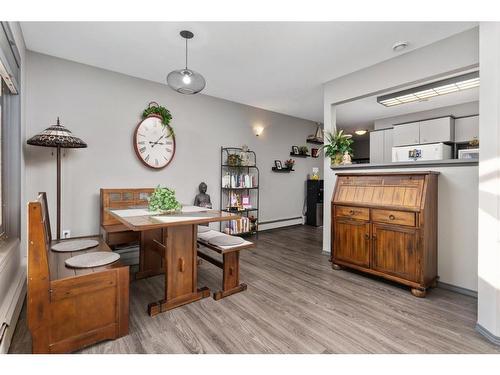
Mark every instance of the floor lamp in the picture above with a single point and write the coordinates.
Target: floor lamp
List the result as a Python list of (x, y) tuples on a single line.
[(59, 137)]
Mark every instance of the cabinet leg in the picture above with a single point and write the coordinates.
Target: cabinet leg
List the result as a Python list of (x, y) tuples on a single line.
[(418, 292), (337, 267), (434, 284)]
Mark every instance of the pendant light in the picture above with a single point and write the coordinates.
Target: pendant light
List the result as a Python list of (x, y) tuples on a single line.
[(186, 81)]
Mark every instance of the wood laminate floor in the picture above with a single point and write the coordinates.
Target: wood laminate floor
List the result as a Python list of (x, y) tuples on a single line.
[(295, 303)]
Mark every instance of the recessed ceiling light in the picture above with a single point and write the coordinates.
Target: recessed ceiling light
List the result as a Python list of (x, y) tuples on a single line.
[(422, 93), (399, 46), (360, 132)]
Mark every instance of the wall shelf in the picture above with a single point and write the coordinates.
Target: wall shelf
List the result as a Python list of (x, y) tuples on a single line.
[(315, 142), (300, 155), (283, 170)]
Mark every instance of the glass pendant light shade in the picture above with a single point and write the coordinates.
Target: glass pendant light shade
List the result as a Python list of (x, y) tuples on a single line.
[(186, 81)]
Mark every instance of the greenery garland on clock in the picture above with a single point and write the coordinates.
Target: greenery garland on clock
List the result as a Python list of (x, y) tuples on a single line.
[(156, 109)]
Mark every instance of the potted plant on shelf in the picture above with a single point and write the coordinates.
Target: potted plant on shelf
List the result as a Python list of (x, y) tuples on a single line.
[(303, 150), (289, 164), (337, 144)]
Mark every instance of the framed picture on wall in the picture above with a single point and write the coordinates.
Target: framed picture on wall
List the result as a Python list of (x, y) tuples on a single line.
[(295, 150), (278, 165)]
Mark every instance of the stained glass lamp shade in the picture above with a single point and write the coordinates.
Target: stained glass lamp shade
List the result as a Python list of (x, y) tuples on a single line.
[(56, 136)]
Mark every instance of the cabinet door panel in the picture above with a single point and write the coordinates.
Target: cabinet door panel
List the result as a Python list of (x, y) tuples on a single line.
[(437, 130), (352, 242), (395, 251), (377, 146), (388, 145), (466, 129), (406, 134)]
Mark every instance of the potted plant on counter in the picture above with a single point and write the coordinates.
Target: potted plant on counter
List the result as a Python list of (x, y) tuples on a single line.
[(336, 145)]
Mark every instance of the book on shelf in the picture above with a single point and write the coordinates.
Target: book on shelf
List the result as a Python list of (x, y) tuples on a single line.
[(231, 180), (238, 226)]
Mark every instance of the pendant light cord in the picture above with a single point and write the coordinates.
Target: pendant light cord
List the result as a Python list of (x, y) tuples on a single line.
[(186, 53)]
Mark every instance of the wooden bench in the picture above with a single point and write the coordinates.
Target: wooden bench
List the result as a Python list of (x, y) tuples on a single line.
[(114, 232), (69, 309), (230, 263)]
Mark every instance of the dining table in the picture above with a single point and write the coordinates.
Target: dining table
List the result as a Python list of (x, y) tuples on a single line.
[(168, 245)]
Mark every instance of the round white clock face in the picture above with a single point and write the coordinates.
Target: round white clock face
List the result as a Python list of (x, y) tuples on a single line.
[(153, 145)]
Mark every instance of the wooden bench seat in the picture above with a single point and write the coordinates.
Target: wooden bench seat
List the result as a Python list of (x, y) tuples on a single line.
[(69, 308), (230, 263), (114, 232)]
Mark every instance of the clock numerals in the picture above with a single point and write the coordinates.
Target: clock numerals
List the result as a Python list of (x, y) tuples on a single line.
[(153, 143)]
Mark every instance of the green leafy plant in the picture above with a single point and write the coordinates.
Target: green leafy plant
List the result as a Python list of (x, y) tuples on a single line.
[(163, 199), (303, 150), (164, 113), (234, 160), (337, 144), (289, 163)]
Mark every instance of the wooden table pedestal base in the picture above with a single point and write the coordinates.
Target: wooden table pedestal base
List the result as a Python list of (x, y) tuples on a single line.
[(155, 308)]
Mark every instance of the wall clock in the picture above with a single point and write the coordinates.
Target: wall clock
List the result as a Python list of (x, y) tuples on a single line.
[(153, 143)]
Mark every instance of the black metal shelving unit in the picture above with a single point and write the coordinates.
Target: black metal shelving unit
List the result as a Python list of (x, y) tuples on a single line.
[(253, 192)]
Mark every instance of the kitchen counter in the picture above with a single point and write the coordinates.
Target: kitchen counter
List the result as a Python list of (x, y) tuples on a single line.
[(410, 164)]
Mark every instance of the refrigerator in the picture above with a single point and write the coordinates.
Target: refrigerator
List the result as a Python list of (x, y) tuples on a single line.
[(431, 151)]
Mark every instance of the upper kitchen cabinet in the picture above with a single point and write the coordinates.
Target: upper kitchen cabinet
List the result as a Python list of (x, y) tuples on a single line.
[(467, 129), (437, 130), (406, 134), (427, 131)]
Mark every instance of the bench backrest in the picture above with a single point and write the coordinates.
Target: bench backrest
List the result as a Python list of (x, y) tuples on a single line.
[(121, 198), (38, 263)]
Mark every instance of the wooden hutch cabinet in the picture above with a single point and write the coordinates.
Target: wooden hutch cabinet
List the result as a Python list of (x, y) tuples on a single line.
[(385, 224)]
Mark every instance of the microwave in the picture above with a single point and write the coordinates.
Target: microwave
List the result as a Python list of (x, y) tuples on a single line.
[(469, 153)]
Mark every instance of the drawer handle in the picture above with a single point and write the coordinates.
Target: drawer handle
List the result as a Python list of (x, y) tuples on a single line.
[(367, 236), (374, 236), (351, 212), (392, 217)]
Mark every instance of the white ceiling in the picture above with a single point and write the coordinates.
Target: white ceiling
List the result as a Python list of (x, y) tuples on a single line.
[(278, 66)]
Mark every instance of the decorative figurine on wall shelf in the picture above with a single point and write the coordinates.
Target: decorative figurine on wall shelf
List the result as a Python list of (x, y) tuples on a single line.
[(202, 199)]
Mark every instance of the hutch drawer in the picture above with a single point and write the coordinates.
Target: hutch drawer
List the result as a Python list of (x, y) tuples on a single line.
[(357, 213), (394, 217)]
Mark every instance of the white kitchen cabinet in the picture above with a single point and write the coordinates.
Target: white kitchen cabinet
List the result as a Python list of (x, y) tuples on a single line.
[(381, 146), (466, 129), (377, 146), (388, 143), (406, 134), (437, 130)]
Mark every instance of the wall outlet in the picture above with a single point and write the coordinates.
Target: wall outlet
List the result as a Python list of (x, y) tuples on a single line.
[(66, 233)]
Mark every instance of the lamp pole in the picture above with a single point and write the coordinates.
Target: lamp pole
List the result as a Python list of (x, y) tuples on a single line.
[(58, 192)]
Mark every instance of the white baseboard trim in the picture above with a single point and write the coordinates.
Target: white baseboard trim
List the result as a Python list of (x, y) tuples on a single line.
[(15, 303), (490, 336), (273, 224)]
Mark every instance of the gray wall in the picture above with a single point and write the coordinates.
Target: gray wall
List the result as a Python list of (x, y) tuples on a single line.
[(103, 108), (459, 110)]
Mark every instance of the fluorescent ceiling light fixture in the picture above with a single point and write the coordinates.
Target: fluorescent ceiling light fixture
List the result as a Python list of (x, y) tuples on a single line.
[(446, 86), (360, 132)]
